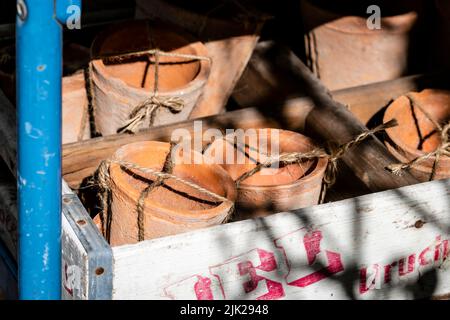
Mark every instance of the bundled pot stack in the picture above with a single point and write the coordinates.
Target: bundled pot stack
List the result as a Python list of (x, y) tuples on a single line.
[(422, 117), (138, 61), (152, 189), (280, 187), (170, 206), (343, 51)]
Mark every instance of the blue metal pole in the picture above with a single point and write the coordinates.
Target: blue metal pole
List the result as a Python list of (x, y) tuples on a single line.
[(39, 71)]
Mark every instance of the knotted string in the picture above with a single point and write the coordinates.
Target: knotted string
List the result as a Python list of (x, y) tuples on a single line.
[(442, 150), (104, 181), (145, 110), (329, 178)]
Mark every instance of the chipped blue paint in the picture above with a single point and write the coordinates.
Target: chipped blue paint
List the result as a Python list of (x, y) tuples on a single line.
[(39, 71)]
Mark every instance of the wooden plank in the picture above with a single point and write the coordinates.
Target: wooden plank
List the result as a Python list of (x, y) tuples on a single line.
[(387, 245), (265, 85), (81, 159), (330, 121), (74, 264), (86, 252)]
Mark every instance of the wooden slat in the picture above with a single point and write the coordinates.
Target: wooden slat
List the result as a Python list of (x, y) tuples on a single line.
[(86, 251), (388, 245), (332, 122), (265, 85)]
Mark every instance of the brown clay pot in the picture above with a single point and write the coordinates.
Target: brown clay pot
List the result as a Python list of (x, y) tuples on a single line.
[(119, 87), (343, 52), (172, 208), (404, 141), (271, 190), (75, 109)]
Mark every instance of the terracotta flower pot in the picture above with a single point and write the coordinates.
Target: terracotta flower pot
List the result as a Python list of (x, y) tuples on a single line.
[(343, 52), (169, 209), (404, 141), (119, 87), (75, 109), (281, 188)]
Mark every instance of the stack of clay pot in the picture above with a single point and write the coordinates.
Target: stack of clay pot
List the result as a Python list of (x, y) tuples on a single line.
[(343, 51), (75, 112), (118, 87), (171, 208), (276, 188), (416, 135)]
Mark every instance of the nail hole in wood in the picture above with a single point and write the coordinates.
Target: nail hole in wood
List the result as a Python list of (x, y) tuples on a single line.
[(67, 200), (99, 271), (419, 224), (81, 222)]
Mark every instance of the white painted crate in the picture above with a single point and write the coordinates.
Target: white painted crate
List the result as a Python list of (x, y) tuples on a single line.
[(391, 245)]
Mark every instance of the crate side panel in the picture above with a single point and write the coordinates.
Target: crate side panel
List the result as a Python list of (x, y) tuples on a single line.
[(97, 253), (387, 245), (75, 277)]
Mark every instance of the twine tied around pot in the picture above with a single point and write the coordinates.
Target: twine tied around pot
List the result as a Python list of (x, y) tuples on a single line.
[(145, 110), (333, 156), (442, 150), (104, 181)]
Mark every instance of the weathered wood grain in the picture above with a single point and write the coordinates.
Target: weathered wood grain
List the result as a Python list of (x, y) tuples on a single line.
[(387, 245), (332, 122), (87, 258), (265, 85)]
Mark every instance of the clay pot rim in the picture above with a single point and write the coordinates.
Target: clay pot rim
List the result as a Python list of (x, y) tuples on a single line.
[(320, 167), (163, 211), (200, 78), (389, 114), (397, 153)]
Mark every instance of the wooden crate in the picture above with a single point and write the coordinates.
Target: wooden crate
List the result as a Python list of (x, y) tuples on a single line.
[(392, 244)]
